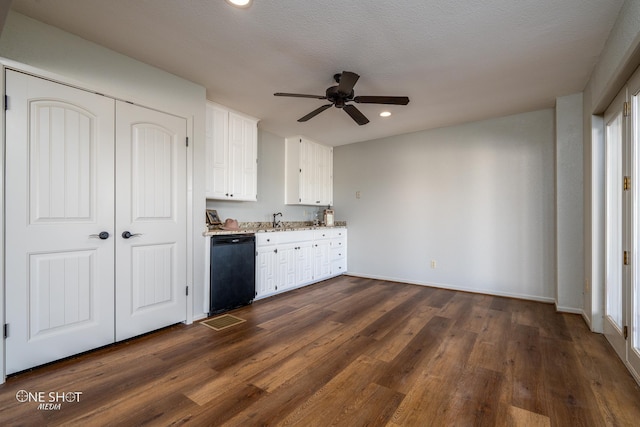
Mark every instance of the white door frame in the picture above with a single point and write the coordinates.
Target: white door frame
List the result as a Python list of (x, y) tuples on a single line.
[(2, 242), (6, 63)]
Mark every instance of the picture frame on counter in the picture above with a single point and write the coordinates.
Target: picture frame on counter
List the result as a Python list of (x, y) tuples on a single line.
[(212, 218)]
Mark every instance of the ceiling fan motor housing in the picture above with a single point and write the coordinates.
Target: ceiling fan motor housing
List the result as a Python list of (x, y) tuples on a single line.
[(338, 98)]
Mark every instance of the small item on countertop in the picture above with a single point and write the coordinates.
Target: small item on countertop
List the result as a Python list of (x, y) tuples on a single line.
[(213, 220), (328, 217), (230, 224)]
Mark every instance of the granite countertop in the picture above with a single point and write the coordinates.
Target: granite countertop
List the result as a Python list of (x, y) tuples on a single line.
[(267, 227)]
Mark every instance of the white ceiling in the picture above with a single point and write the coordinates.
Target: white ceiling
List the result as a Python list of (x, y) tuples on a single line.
[(457, 60)]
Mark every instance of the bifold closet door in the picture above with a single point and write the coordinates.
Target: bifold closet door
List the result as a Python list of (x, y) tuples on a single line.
[(151, 226), (59, 221)]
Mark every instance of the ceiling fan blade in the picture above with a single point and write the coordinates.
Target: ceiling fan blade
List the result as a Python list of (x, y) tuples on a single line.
[(300, 95), (314, 113), (395, 100), (347, 82), (356, 114)]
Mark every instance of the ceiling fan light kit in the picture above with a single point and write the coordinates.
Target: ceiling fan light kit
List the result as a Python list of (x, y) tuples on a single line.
[(342, 93)]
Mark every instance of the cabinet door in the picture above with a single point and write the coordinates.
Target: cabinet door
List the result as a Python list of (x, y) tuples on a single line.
[(324, 162), (308, 171), (322, 259), (217, 153), (242, 158), (286, 267), (304, 263), (266, 270)]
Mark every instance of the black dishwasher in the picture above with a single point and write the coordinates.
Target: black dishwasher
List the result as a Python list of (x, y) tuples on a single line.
[(233, 270)]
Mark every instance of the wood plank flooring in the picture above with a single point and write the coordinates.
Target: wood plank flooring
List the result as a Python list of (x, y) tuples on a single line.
[(347, 352)]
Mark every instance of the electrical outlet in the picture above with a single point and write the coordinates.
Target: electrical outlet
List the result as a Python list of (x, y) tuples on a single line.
[(434, 264), (357, 194)]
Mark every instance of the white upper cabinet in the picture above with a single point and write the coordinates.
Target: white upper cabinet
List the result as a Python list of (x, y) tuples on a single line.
[(232, 155), (308, 172)]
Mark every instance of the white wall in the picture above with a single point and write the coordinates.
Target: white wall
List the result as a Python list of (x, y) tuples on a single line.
[(620, 57), (569, 204), (270, 189), (477, 198), (94, 67)]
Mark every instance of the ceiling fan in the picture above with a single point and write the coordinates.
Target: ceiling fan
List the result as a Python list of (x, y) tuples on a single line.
[(342, 93)]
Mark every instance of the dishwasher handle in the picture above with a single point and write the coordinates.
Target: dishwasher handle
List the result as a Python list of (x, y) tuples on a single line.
[(232, 240)]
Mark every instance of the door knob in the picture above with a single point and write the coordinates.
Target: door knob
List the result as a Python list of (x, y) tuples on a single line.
[(126, 234), (103, 235)]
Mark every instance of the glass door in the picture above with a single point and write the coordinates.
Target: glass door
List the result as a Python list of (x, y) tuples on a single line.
[(633, 120), (615, 289), (622, 230)]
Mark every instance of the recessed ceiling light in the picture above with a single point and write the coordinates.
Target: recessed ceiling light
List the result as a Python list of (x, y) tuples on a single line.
[(239, 3), (385, 114)]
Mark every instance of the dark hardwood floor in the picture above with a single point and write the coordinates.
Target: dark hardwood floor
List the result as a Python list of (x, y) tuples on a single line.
[(347, 352)]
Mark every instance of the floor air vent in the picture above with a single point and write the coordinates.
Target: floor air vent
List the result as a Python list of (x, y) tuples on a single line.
[(222, 322)]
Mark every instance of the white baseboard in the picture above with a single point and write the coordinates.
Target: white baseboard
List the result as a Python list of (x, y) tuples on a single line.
[(458, 288), (587, 320), (572, 310)]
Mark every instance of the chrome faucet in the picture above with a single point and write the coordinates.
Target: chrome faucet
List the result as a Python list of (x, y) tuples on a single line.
[(276, 223)]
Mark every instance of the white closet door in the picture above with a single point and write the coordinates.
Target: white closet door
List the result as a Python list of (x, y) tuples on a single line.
[(151, 205), (59, 198)]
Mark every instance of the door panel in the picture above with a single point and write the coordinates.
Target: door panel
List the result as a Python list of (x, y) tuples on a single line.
[(151, 205), (615, 291), (634, 304), (152, 276), (59, 274)]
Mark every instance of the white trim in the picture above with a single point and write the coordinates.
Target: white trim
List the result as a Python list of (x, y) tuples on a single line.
[(2, 227), (572, 310), (207, 275), (587, 320), (634, 374), (457, 288), (190, 266)]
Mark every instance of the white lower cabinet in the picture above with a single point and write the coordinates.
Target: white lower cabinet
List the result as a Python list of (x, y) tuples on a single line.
[(290, 259), (266, 270), (322, 253), (338, 252)]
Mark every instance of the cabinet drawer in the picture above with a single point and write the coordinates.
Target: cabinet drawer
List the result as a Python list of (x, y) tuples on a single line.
[(265, 239), (338, 243), (322, 234), (295, 236), (339, 233), (339, 266), (338, 253)]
